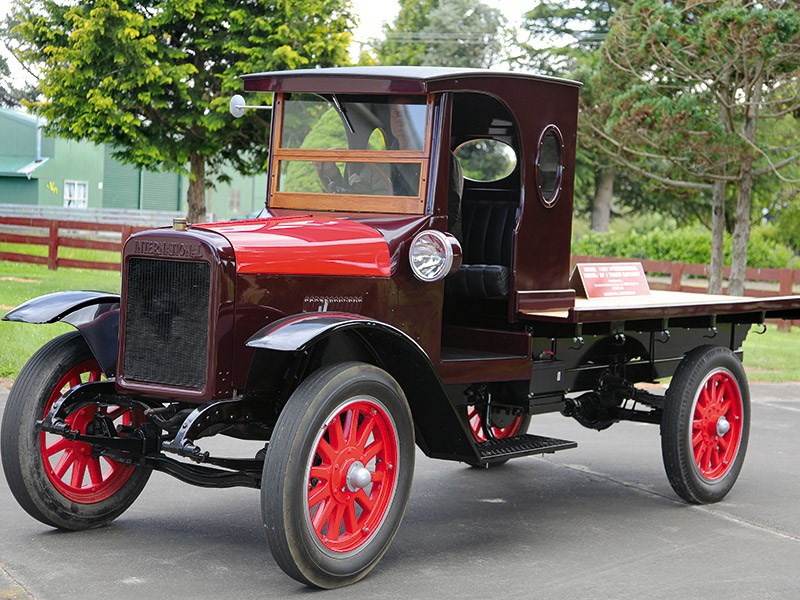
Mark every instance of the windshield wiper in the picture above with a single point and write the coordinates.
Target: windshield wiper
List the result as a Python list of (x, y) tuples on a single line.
[(340, 109)]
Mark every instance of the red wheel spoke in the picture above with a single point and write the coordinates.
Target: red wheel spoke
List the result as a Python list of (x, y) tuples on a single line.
[(724, 443), (350, 426), (95, 472), (321, 472), (364, 431), (64, 463), (336, 434), (56, 447), (321, 517), (78, 471), (377, 476), (335, 522), (698, 438), (364, 501), (372, 451), (325, 451), (94, 376), (318, 494), (350, 519)]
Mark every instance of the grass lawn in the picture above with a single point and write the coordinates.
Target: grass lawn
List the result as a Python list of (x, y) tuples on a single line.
[(20, 282), (774, 356)]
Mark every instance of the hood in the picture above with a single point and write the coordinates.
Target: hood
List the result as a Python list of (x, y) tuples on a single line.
[(306, 246)]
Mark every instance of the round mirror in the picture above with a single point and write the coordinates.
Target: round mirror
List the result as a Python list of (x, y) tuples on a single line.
[(549, 166), (486, 160)]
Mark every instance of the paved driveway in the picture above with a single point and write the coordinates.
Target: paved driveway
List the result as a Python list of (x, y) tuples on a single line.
[(599, 521)]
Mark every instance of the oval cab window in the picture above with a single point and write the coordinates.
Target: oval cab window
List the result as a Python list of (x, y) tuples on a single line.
[(486, 160), (549, 166)]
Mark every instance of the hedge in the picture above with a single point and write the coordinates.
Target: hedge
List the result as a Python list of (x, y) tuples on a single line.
[(687, 244)]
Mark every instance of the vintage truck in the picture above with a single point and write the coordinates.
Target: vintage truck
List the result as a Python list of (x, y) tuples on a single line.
[(408, 283)]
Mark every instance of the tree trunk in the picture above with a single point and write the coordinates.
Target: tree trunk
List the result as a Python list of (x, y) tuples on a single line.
[(603, 192), (717, 238), (196, 193), (741, 229)]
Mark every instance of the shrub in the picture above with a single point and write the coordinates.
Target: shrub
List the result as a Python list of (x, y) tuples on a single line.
[(686, 244)]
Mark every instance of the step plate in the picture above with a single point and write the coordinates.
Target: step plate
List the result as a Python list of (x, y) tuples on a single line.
[(521, 445)]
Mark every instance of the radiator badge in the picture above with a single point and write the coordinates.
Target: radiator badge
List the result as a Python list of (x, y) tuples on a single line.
[(168, 249)]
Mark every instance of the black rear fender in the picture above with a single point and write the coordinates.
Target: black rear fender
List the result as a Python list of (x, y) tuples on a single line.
[(298, 345), (94, 314)]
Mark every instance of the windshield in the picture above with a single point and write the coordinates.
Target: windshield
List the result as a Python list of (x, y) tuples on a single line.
[(351, 153)]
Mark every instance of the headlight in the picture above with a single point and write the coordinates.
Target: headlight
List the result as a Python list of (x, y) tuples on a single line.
[(434, 255)]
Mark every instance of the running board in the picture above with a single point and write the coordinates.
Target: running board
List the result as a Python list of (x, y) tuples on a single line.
[(521, 445)]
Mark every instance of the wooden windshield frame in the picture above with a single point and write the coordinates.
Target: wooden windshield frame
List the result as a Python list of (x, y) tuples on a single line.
[(406, 205)]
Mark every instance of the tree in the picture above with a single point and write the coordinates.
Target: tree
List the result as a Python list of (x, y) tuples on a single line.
[(565, 38), (685, 86), (396, 48), (451, 33), (153, 78)]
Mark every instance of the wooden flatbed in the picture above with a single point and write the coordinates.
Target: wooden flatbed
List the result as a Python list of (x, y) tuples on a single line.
[(667, 304)]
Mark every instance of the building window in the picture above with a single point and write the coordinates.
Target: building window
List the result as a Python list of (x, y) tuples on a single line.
[(76, 194)]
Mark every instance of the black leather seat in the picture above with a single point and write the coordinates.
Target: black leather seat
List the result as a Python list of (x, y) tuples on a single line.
[(488, 230)]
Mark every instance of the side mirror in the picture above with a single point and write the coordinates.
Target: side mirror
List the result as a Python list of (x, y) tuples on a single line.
[(237, 106)]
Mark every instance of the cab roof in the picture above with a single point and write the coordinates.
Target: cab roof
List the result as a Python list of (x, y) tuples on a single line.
[(391, 79)]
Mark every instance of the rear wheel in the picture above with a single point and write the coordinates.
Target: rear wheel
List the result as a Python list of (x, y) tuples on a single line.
[(706, 424), (64, 483), (338, 474), (503, 424)]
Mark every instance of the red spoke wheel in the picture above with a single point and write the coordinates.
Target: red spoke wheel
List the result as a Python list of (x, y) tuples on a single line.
[(503, 426), (70, 466), (338, 474), (61, 482), (704, 431)]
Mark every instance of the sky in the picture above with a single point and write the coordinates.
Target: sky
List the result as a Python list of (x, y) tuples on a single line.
[(371, 14)]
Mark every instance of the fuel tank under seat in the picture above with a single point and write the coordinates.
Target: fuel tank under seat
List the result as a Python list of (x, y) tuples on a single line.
[(487, 244)]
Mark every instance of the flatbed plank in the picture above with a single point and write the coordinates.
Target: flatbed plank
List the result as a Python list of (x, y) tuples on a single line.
[(662, 304)]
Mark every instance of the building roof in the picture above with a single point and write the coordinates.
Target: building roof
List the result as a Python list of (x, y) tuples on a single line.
[(18, 166), (18, 116)]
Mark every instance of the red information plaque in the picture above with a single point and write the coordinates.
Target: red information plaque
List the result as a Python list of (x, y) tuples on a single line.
[(610, 280)]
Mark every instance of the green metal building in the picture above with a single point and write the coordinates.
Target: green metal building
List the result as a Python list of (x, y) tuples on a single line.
[(44, 171)]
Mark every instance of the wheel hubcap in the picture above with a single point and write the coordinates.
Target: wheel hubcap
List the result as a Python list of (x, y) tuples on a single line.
[(723, 426), (352, 475), (716, 424), (358, 477)]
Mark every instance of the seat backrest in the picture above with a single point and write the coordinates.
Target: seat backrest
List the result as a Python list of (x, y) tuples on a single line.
[(488, 230)]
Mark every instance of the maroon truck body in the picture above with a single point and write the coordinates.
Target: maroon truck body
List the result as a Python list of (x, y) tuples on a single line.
[(383, 299)]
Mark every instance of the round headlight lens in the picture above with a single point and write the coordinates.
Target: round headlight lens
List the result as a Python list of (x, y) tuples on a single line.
[(431, 256)]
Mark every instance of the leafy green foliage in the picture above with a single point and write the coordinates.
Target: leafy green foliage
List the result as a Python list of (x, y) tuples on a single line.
[(687, 244), (153, 79)]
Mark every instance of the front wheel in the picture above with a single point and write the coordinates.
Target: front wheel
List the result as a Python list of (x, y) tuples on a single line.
[(337, 475), (706, 423), (63, 483)]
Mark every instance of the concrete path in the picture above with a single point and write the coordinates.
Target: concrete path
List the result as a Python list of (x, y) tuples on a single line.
[(600, 521)]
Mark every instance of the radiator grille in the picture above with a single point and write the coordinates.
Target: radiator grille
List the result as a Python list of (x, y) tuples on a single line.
[(166, 322)]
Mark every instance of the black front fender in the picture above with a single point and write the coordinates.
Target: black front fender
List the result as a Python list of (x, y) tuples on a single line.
[(440, 431), (94, 314)]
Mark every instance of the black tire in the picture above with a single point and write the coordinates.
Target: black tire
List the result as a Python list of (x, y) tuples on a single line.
[(706, 424), (28, 461), (333, 552)]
